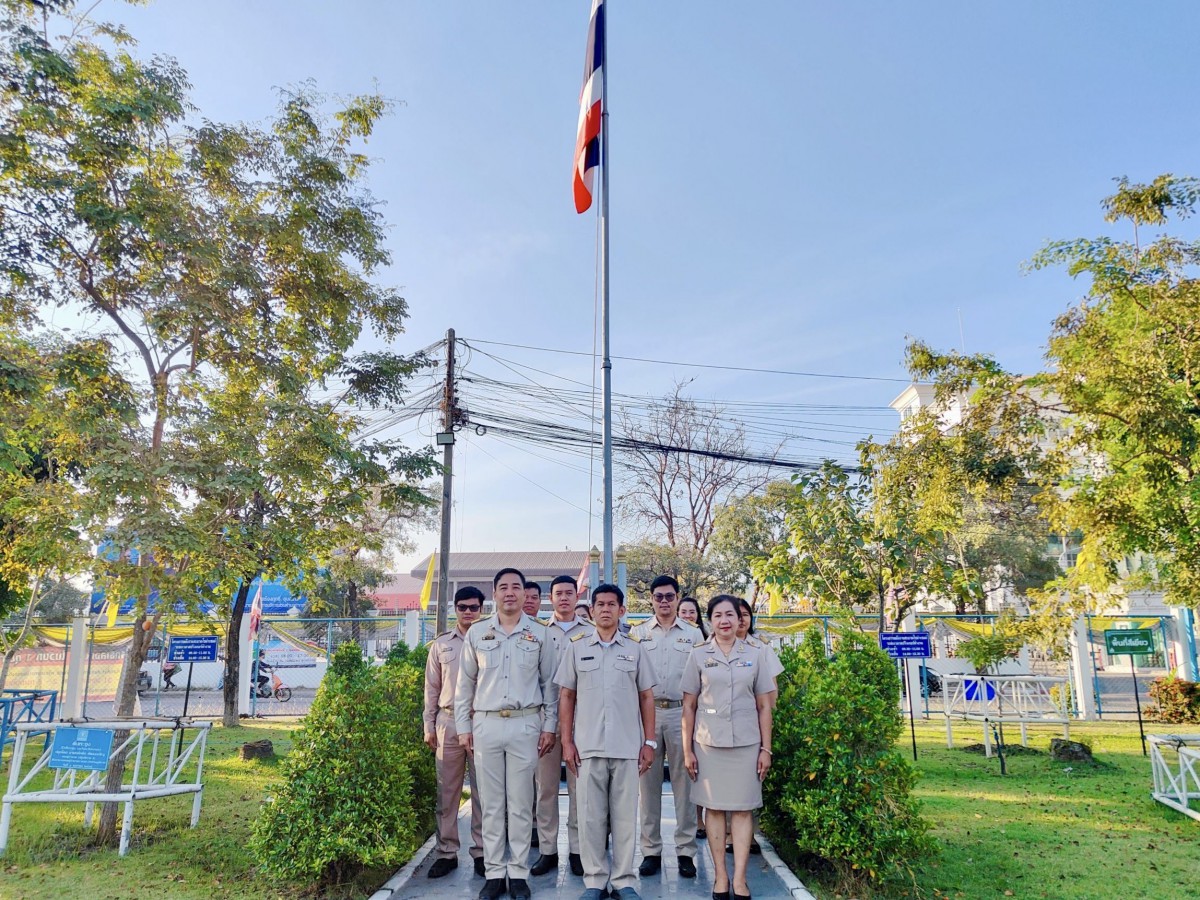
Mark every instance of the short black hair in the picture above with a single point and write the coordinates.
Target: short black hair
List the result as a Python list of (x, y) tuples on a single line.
[(608, 589), (470, 592), (719, 599), (533, 584), (564, 579), (508, 571), (663, 581)]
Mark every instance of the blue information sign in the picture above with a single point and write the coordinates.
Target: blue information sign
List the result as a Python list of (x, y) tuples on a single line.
[(192, 649), (913, 645), (81, 748)]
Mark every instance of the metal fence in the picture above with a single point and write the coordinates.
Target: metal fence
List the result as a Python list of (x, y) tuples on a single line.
[(298, 652)]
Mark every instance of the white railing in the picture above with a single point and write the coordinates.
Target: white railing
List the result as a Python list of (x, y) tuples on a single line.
[(1021, 700), (160, 763), (1176, 788)]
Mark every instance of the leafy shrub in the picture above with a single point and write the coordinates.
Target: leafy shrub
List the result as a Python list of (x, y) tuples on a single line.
[(347, 799), (837, 789), (1175, 701)]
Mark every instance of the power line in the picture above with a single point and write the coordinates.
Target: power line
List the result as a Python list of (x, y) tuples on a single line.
[(694, 365)]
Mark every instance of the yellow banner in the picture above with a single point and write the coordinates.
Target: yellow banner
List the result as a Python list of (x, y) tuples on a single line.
[(427, 587)]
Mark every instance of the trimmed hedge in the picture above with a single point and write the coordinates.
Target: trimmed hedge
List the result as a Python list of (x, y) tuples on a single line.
[(838, 793), (358, 785)]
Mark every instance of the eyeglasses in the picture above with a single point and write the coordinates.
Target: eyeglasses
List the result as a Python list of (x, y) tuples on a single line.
[(664, 598), (469, 607)]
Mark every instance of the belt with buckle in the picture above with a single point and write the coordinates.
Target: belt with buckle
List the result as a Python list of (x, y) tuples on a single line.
[(512, 713), (668, 704)]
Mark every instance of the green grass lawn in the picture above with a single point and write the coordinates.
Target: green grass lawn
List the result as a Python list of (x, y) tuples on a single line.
[(1039, 832), (50, 855), (1046, 830)]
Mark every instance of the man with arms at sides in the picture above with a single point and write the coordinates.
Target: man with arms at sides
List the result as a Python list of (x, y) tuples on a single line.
[(506, 713), (668, 640), (533, 599), (441, 677), (562, 627), (607, 701)]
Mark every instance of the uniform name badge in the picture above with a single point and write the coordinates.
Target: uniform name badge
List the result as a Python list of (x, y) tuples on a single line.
[(623, 658), (744, 663), (711, 664)]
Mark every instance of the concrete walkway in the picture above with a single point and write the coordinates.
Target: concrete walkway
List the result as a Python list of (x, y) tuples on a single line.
[(767, 882)]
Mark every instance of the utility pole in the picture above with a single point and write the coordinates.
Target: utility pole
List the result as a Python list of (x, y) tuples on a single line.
[(446, 439)]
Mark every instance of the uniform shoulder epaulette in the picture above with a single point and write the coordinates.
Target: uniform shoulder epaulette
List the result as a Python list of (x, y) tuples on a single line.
[(545, 623), (577, 637), (752, 641), (703, 643), (633, 637), (443, 633)]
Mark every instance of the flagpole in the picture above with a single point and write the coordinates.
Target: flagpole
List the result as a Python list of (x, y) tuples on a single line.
[(606, 364)]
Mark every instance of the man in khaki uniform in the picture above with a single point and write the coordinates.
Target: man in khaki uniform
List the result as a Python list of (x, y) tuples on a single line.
[(562, 627), (607, 702), (506, 713), (668, 640), (441, 677)]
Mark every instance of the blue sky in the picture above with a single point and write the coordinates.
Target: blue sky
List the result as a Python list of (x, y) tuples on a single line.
[(795, 186)]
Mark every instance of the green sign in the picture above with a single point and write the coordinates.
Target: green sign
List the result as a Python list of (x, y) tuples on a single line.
[(1131, 642)]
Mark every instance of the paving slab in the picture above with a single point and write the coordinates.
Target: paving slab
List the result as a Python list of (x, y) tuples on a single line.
[(769, 879)]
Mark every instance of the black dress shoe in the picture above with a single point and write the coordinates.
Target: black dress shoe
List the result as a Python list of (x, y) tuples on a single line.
[(493, 889), (576, 863), (755, 850), (687, 867), (701, 834), (518, 889), (546, 862), (650, 866), (442, 867), (480, 870)]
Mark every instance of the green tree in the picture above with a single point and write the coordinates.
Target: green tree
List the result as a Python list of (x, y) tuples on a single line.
[(646, 560), (746, 530), (58, 403), (848, 548), (972, 494), (218, 256), (1118, 406)]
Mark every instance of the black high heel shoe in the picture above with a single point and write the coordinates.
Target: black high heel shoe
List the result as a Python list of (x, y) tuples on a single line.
[(741, 897), (721, 895)]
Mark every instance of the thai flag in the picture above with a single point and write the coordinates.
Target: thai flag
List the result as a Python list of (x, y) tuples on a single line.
[(256, 613), (587, 143)]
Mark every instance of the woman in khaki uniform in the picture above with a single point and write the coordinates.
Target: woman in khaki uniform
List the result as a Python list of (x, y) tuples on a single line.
[(727, 701)]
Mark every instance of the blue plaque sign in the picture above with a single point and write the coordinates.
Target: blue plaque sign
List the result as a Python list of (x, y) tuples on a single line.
[(81, 748), (192, 649), (912, 645)]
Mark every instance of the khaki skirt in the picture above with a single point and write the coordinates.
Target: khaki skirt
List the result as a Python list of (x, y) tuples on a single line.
[(726, 778)]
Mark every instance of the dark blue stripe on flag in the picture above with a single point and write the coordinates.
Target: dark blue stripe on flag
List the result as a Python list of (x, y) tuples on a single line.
[(594, 59), (591, 154)]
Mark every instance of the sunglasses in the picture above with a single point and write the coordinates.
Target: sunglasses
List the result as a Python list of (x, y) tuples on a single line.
[(468, 607), (664, 598)]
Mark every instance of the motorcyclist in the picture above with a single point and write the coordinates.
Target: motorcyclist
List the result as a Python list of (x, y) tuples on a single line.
[(263, 678)]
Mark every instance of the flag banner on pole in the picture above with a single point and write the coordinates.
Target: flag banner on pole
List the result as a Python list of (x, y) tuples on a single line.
[(110, 610), (427, 587), (587, 141), (256, 613)]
